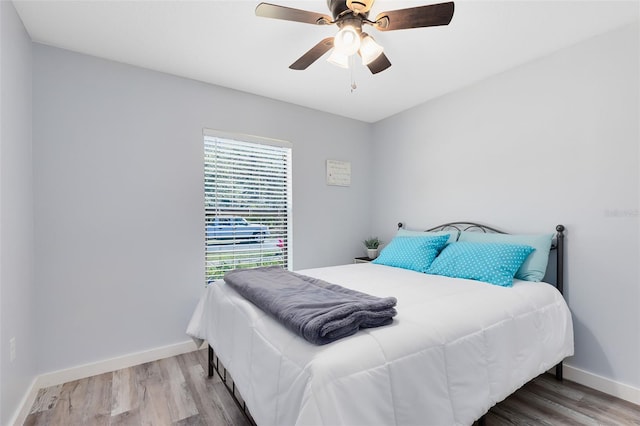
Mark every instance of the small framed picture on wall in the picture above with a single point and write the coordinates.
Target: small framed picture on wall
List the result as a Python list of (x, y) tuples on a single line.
[(338, 173)]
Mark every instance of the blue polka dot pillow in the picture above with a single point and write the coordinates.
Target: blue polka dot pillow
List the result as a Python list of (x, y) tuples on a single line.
[(494, 263), (415, 253)]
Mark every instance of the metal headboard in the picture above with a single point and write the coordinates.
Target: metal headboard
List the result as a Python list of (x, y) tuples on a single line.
[(557, 244)]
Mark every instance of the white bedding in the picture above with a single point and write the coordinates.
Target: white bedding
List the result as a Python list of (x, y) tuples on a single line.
[(455, 348)]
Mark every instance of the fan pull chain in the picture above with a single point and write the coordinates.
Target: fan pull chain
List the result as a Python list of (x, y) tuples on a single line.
[(352, 64)]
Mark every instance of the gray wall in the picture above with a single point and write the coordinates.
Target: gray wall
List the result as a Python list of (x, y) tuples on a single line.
[(16, 213), (118, 166), (553, 141)]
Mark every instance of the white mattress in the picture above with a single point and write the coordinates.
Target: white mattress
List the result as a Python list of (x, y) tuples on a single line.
[(455, 348)]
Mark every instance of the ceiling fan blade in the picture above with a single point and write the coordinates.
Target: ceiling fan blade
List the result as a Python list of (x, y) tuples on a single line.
[(268, 10), (415, 17), (381, 63), (313, 54)]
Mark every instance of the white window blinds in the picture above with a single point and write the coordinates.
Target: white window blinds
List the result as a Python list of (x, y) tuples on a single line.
[(247, 194)]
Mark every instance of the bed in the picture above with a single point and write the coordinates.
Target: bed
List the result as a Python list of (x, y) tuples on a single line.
[(455, 348)]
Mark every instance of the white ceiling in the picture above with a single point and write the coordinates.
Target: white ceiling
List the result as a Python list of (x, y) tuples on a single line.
[(224, 43)]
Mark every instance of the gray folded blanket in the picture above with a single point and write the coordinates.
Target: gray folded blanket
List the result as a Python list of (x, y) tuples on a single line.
[(314, 309)]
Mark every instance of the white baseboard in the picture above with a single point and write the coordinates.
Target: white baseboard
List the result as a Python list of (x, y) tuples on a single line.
[(113, 364), (94, 368), (603, 384), (25, 405)]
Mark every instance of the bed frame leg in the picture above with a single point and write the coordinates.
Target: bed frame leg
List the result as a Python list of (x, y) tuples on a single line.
[(215, 364), (210, 361), (560, 278), (559, 371)]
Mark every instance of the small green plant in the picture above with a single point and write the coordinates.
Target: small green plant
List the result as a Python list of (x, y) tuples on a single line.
[(372, 243)]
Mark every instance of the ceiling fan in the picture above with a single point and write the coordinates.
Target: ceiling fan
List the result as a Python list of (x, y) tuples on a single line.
[(350, 16)]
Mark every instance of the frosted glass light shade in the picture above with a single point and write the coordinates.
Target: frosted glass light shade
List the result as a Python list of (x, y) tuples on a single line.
[(339, 59), (347, 41), (369, 50)]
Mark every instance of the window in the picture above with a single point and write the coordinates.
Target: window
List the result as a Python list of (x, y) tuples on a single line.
[(247, 195)]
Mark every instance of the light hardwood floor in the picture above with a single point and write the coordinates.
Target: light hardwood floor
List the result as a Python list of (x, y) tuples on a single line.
[(176, 391)]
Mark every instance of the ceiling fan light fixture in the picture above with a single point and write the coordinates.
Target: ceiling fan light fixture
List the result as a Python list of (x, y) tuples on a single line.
[(369, 49), (350, 16), (347, 41), (339, 59)]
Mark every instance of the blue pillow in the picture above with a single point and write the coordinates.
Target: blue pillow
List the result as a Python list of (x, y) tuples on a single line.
[(415, 253), (493, 263), (534, 268)]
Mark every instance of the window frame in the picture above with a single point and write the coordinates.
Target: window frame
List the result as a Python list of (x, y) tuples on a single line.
[(252, 139)]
